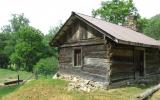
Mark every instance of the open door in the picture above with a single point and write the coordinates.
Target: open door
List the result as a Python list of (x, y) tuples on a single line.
[(139, 62)]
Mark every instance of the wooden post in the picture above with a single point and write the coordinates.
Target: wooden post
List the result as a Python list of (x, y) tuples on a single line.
[(36, 75), (18, 79)]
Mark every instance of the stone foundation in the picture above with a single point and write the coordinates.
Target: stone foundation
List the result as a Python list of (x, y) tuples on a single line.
[(81, 84)]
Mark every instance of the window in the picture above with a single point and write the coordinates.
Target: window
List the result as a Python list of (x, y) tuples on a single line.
[(77, 57)]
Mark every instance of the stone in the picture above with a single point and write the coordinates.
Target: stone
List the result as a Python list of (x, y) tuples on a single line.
[(74, 79), (56, 76), (1, 84), (80, 84)]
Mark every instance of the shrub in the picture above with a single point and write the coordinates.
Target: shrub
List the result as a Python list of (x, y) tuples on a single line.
[(47, 66)]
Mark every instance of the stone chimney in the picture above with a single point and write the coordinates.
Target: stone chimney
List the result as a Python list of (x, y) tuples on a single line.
[(131, 22)]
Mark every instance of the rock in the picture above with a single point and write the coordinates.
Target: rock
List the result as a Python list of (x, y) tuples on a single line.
[(55, 76), (83, 88), (74, 79), (1, 84), (80, 84), (71, 86)]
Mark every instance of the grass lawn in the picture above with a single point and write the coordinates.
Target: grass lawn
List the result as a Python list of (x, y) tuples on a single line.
[(6, 90), (8, 74), (49, 89)]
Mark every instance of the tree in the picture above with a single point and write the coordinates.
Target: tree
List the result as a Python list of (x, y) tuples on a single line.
[(18, 21), (116, 11), (4, 59), (9, 31), (142, 24), (48, 50), (28, 48), (152, 29)]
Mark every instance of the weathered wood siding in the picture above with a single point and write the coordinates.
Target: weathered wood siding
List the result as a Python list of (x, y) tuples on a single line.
[(78, 32), (95, 62), (152, 61), (102, 60), (95, 59), (122, 62)]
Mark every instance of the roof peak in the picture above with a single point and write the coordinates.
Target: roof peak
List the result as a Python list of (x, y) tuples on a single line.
[(76, 13), (122, 34)]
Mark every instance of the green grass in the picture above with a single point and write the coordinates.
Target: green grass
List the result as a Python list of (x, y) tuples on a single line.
[(6, 90), (8, 74), (49, 89)]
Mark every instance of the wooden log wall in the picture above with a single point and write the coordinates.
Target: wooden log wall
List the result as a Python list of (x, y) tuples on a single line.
[(122, 67), (152, 61), (95, 61)]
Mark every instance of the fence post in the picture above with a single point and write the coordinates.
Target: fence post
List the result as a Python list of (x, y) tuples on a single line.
[(18, 79), (36, 75)]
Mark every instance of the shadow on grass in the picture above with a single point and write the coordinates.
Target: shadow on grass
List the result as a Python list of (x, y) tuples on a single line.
[(8, 89)]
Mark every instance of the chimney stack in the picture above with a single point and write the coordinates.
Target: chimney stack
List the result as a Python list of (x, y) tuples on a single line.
[(131, 22)]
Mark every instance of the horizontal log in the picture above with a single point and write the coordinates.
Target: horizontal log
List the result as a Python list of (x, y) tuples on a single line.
[(65, 60), (13, 82), (83, 43), (95, 71), (113, 80), (100, 54), (96, 62), (124, 47), (121, 76), (84, 74), (148, 92), (122, 52), (94, 48), (96, 67), (122, 59)]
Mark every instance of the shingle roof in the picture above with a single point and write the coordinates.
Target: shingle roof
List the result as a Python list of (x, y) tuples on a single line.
[(119, 32)]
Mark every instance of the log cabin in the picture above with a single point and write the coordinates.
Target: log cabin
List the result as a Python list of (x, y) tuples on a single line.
[(102, 51)]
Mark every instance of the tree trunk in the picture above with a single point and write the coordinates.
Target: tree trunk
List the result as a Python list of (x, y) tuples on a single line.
[(148, 92)]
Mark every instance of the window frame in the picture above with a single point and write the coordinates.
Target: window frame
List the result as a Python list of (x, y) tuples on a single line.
[(73, 56)]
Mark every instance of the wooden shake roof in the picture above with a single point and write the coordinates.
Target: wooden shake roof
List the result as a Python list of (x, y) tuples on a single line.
[(117, 33)]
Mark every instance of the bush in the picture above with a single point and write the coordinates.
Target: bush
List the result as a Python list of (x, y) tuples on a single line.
[(47, 66)]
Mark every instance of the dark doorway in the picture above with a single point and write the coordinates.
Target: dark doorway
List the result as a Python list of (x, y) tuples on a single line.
[(139, 62), (77, 57)]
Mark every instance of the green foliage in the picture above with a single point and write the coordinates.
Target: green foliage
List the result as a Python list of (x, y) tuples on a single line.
[(18, 21), (153, 27), (50, 51), (9, 38), (142, 24), (116, 11), (47, 66), (22, 46), (28, 47), (4, 59)]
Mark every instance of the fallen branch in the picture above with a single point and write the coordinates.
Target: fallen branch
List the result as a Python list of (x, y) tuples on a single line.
[(148, 92)]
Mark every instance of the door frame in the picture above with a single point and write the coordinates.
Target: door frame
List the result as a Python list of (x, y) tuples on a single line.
[(141, 49)]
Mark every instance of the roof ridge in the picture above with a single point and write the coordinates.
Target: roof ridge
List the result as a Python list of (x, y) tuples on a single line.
[(102, 20), (112, 24), (88, 16)]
